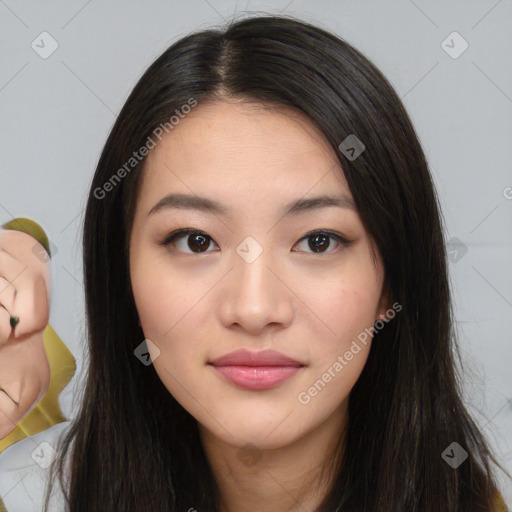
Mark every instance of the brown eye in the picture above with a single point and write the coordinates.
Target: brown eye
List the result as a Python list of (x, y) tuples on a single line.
[(189, 241), (192, 241), (320, 241)]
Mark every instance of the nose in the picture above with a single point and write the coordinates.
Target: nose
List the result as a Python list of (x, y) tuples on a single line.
[(255, 296)]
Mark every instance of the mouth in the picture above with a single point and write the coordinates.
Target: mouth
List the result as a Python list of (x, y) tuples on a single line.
[(256, 370)]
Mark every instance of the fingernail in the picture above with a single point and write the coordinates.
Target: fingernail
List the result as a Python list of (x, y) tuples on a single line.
[(14, 321)]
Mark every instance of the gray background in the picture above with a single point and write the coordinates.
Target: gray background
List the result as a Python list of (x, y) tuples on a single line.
[(56, 113)]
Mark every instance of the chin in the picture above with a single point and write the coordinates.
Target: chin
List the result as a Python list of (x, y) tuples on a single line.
[(261, 435)]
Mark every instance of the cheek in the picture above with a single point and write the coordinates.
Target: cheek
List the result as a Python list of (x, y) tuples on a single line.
[(172, 310), (161, 306), (156, 292), (344, 307), (338, 358), (348, 305), (165, 301)]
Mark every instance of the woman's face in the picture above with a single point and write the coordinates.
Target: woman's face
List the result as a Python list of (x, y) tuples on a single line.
[(251, 279), (24, 289)]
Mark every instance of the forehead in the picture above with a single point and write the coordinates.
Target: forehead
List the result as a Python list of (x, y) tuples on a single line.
[(245, 147)]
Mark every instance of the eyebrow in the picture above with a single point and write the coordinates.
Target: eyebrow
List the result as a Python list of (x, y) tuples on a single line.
[(204, 204)]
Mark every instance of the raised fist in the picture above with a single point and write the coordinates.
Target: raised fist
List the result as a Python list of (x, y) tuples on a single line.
[(24, 314)]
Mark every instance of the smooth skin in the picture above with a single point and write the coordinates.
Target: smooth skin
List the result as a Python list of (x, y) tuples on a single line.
[(198, 304), (25, 293)]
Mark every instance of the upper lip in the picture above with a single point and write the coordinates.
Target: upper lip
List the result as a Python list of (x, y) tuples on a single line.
[(247, 358)]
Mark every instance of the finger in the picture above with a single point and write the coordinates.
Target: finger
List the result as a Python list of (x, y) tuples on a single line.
[(7, 293), (10, 267), (5, 325), (31, 304), (29, 276)]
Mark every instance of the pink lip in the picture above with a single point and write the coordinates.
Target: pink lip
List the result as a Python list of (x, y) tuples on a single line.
[(256, 370), (248, 358)]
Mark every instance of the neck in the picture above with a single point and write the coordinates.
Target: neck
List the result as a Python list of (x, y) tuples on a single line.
[(292, 478)]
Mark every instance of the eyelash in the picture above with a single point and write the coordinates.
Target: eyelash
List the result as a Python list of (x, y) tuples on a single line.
[(173, 236)]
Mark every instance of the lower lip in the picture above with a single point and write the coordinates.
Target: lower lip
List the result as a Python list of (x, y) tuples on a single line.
[(257, 377)]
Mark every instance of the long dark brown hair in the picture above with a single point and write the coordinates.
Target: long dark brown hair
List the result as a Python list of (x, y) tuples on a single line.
[(132, 447)]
